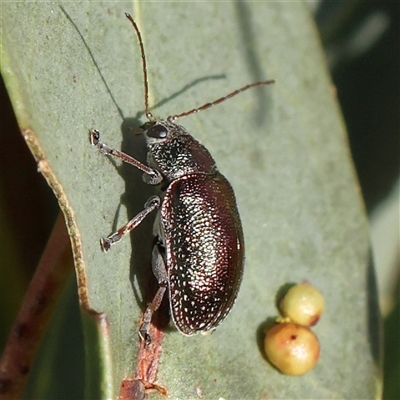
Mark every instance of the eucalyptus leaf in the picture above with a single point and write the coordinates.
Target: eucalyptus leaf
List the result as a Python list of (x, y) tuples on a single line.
[(73, 66)]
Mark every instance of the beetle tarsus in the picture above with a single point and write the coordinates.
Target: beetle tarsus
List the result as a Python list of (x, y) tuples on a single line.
[(144, 326), (152, 179), (105, 244), (95, 141), (144, 336), (94, 137)]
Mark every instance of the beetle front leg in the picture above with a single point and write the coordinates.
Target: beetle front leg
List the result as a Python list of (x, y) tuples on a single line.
[(153, 177), (160, 272), (151, 204)]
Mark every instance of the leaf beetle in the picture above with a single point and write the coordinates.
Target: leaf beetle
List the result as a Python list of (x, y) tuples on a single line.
[(199, 255)]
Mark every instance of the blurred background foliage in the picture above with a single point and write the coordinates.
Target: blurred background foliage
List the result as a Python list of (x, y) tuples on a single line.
[(361, 40)]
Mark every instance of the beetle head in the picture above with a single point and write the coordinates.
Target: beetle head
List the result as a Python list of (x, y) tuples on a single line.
[(174, 152)]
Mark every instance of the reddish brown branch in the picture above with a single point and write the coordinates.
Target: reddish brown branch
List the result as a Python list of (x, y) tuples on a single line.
[(33, 318), (144, 381)]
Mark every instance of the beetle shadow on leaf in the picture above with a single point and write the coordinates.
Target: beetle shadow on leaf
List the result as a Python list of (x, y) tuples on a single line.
[(137, 192)]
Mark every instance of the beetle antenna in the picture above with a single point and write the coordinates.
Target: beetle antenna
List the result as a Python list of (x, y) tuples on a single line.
[(220, 100), (149, 115)]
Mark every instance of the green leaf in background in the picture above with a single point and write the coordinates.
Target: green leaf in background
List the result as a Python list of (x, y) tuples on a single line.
[(283, 148)]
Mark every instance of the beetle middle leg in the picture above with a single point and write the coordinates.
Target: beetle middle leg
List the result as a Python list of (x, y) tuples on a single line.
[(151, 204), (160, 272)]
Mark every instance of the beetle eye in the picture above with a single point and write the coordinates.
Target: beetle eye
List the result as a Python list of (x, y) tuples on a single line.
[(157, 132)]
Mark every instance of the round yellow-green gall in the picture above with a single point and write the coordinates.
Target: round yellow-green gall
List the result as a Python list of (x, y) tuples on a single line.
[(292, 348), (303, 304)]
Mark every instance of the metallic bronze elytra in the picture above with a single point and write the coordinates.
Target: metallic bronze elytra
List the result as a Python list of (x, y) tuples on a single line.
[(199, 255)]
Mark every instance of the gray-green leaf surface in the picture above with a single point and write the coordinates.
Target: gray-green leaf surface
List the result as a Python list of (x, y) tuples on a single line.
[(283, 148)]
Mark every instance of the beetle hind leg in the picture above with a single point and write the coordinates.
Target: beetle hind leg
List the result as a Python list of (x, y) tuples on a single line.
[(160, 272)]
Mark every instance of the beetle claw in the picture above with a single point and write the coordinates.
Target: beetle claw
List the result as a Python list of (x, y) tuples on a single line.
[(105, 244), (144, 336)]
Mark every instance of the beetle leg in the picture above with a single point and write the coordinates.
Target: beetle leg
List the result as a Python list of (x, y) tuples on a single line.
[(151, 204), (154, 177), (160, 272)]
